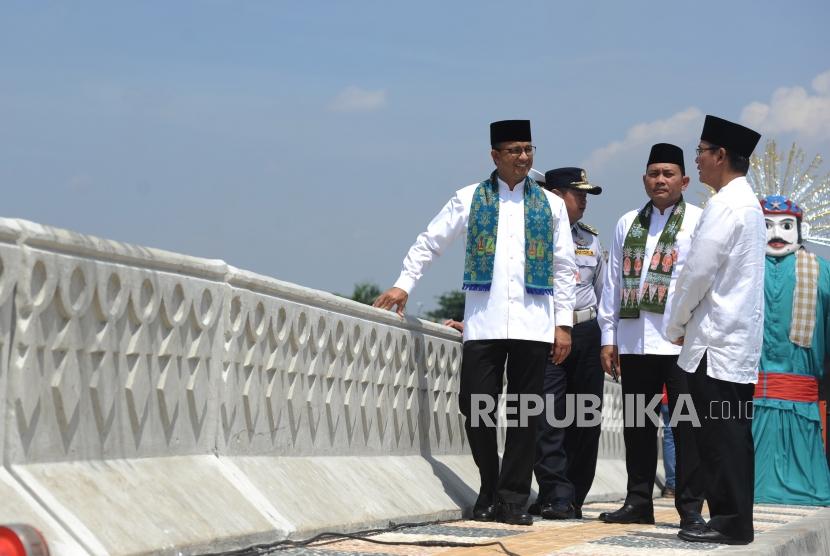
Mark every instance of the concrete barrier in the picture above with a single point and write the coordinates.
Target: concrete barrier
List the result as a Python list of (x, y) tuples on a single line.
[(156, 402)]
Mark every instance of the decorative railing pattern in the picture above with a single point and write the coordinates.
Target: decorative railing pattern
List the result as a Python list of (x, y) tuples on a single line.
[(114, 351), (191, 387)]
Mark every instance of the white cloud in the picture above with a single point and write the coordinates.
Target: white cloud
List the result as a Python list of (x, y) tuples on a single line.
[(793, 109), (678, 128), (355, 99), (821, 83)]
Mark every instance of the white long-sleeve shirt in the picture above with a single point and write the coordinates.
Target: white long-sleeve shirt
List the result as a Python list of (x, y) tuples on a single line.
[(507, 311), (718, 303), (646, 334)]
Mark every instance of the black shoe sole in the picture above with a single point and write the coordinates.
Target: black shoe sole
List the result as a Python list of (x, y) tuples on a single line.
[(554, 516), (524, 523), (721, 540), (641, 521)]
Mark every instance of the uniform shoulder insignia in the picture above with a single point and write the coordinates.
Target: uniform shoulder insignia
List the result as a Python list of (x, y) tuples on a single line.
[(588, 228)]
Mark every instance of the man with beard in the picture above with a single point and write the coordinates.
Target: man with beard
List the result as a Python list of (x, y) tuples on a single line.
[(718, 317), (519, 278), (651, 246)]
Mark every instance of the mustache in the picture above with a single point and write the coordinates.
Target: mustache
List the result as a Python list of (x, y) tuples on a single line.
[(779, 240)]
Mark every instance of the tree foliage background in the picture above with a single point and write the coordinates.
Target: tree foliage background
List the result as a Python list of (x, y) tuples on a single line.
[(450, 306), (364, 292)]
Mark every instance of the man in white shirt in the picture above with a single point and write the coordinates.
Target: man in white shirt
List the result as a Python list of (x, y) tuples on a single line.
[(519, 277), (651, 246), (718, 317)]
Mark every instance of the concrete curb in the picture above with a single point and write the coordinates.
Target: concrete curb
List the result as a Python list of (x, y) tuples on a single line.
[(808, 535)]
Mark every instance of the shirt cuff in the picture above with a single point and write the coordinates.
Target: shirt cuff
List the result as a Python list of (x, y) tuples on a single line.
[(609, 338), (404, 282), (674, 333), (564, 318)]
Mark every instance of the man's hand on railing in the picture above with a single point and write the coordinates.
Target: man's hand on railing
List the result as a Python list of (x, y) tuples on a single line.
[(391, 298)]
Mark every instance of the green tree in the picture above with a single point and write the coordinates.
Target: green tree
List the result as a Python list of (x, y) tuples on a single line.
[(364, 292), (450, 306)]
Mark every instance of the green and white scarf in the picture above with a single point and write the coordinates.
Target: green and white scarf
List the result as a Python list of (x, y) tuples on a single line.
[(482, 231), (656, 287)]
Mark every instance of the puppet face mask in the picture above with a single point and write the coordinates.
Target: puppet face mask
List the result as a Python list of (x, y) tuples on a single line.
[(782, 234)]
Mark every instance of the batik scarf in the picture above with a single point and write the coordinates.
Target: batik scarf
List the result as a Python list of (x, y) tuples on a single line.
[(656, 287), (804, 299), (482, 231)]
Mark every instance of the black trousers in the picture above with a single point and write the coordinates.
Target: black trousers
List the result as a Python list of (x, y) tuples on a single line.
[(482, 372), (566, 457), (646, 374), (727, 451)]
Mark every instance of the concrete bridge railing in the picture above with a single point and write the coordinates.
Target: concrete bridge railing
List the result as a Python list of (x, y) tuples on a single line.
[(159, 402)]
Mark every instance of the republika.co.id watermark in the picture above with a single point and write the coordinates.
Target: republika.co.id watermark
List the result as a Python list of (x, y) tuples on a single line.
[(584, 410)]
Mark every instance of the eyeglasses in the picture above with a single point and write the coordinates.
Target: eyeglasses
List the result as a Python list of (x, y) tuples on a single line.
[(701, 150), (517, 151)]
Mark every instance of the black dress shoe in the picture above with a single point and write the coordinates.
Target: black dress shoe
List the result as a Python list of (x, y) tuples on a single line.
[(578, 512), (559, 509), (485, 513), (514, 514), (485, 509), (629, 514), (708, 534), (535, 509), (692, 521)]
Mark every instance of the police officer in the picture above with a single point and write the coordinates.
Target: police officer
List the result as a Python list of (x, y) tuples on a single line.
[(566, 458)]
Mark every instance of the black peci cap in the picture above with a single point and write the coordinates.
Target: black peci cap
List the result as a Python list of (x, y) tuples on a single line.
[(729, 135), (509, 130), (666, 152)]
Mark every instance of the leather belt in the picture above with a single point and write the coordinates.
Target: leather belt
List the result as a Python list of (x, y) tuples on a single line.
[(584, 315)]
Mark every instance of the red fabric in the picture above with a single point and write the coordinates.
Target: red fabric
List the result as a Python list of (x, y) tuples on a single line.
[(665, 396), (784, 386)]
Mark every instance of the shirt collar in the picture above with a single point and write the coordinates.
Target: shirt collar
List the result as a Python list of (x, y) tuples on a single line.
[(520, 187), (666, 211), (734, 181)]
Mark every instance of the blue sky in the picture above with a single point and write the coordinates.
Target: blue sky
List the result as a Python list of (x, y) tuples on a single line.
[(313, 141)]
